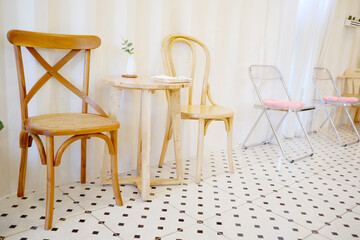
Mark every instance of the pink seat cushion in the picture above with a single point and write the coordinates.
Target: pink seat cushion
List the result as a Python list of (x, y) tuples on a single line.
[(348, 100), (341, 99), (330, 99), (283, 103)]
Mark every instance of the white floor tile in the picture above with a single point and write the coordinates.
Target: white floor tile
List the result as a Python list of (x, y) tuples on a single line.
[(243, 185), (252, 222), (275, 171), (347, 173), (198, 232), (201, 201), (214, 164), (345, 227), (83, 226), (316, 236), (93, 195), (305, 210), (356, 209), (144, 220), (19, 214), (330, 190)]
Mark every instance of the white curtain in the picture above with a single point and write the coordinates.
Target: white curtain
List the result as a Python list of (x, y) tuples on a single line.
[(294, 35)]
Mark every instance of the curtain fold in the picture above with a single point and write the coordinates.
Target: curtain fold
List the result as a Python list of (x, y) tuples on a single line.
[(293, 35)]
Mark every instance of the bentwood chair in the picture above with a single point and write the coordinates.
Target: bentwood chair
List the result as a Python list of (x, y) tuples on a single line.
[(325, 87), (274, 97), (202, 112), (350, 88), (80, 126)]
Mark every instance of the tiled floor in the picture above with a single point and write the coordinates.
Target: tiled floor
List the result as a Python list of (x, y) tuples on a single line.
[(314, 199)]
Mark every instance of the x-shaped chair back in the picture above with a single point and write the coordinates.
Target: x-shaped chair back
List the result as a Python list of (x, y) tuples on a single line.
[(32, 40)]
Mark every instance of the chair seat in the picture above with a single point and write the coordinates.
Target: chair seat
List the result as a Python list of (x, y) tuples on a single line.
[(352, 95), (341, 99), (284, 104), (69, 124), (205, 112)]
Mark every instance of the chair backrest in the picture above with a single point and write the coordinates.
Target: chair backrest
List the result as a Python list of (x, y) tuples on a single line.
[(352, 81), (34, 40), (324, 83), (168, 60), (268, 82)]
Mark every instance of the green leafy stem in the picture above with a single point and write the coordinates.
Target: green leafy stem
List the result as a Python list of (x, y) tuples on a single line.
[(127, 47)]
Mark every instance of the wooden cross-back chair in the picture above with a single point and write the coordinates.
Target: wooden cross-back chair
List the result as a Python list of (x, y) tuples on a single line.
[(202, 112), (78, 125)]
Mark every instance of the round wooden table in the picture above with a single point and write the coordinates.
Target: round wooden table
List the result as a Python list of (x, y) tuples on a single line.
[(147, 85)]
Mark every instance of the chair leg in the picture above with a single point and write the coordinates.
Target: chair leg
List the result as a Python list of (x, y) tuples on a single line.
[(252, 130), (114, 170), (23, 163), (337, 116), (334, 127), (306, 135), (83, 160), (50, 182), (167, 138), (352, 124), (357, 113), (276, 136), (200, 149), (229, 144)]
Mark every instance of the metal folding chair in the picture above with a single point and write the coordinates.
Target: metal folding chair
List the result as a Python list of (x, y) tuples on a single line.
[(272, 76), (321, 78)]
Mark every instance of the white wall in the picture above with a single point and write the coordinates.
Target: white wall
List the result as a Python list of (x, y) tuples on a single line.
[(238, 33)]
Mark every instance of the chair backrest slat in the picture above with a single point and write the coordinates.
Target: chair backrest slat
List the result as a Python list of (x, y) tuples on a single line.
[(167, 46), (75, 43), (352, 80), (321, 74), (53, 41), (267, 73)]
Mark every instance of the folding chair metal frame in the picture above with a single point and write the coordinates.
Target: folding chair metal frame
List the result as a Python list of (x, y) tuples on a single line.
[(265, 110), (334, 105)]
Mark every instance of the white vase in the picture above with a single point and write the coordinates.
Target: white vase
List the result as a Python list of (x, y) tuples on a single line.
[(130, 66)]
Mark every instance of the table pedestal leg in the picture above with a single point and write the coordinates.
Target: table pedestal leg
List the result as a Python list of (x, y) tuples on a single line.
[(145, 143), (143, 181), (175, 109)]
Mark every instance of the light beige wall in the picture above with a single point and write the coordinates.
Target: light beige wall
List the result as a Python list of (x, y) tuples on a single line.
[(237, 32)]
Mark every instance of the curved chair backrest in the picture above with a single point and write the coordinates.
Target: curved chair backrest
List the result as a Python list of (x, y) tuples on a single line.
[(266, 73), (352, 72), (74, 43), (322, 76), (168, 60)]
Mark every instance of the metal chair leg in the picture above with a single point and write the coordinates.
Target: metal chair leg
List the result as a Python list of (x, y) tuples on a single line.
[(252, 130), (275, 134), (306, 135), (333, 126), (278, 126)]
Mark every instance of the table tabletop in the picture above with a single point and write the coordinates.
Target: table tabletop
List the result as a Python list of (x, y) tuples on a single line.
[(142, 83)]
